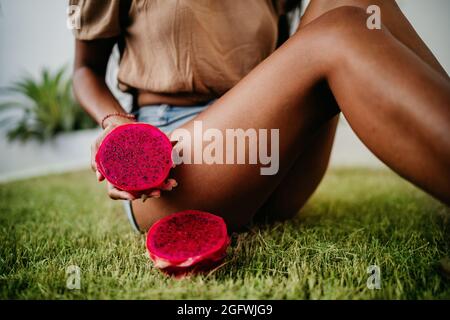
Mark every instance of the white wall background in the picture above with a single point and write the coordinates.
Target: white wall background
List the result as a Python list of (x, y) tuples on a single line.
[(33, 35)]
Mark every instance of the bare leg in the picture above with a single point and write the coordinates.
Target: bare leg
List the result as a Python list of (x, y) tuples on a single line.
[(383, 88), (306, 174)]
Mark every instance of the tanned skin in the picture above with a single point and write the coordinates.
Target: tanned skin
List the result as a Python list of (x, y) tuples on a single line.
[(387, 83)]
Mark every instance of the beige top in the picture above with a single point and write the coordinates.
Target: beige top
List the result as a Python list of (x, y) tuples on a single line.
[(184, 46)]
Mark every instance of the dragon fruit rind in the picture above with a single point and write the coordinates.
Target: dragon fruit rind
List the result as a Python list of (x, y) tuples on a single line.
[(188, 241), (135, 157)]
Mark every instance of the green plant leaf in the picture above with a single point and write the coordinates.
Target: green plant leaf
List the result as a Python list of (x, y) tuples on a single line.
[(51, 107)]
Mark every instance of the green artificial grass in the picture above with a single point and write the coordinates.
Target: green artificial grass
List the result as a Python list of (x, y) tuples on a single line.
[(357, 218)]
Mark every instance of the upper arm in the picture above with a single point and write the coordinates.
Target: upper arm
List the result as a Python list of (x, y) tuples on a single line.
[(99, 29), (93, 54)]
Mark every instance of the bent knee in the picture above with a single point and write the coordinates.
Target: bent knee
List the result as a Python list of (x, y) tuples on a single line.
[(342, 23), (339, 34)]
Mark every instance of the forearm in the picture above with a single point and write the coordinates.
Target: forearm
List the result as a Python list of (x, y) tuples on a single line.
[(93, 94)]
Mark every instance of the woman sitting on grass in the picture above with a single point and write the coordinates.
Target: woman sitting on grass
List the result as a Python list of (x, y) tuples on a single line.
[(215, 62)]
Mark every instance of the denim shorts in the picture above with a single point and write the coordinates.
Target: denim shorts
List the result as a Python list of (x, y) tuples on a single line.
[(167, 118)]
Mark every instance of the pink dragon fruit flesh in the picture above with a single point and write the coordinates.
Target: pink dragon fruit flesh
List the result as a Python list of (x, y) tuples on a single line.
[(135, 157), (187, 242)]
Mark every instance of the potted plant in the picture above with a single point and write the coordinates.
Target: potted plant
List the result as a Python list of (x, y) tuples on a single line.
[(48, 107)]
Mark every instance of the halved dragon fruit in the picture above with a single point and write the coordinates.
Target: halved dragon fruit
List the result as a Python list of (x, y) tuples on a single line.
[(135, 157), (187, 241)]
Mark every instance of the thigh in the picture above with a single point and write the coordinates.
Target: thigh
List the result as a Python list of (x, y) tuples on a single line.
[(303, 177), (265, 99)]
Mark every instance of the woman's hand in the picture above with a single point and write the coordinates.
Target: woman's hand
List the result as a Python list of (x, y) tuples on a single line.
[(113, 192)]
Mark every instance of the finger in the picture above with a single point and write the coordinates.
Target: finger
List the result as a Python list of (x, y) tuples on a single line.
[(177, 152), (100, 177), (96, 145), (155, 194), (169, 185), (117, 194)]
